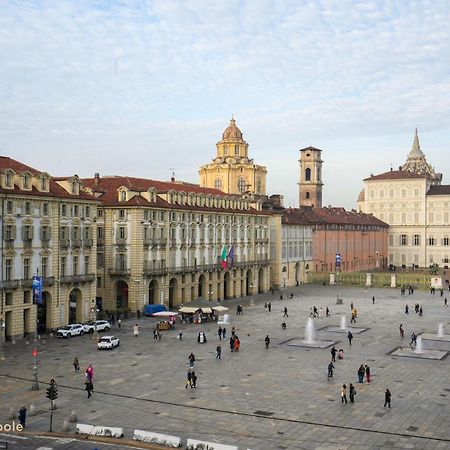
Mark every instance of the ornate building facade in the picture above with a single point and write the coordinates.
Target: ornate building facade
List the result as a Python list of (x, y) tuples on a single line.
[(162, 242), (48, 228), (232, 171), (416, 206)]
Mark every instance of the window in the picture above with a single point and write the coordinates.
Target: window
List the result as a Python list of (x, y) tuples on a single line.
[(25, 181), (9, 233), (64, 210), (74, 187), (258, 186), (44, 266), (403, 239), (8, 269), (99, 282), (431, 241), (75, 265), (9, 207), (417, 239), (308, 174), (8, 180), (403, 192), (45, 209), (391, 239), (318, 174), (236, 150), (122, 233), (122, 261), (99, 233), (27, 208), (445, 241), (43, 184), (88, 211), (307, 195), (26, 268), (86, 264), (100, 212), (241, 185), (87, 232), (381, 194), (63, 266), (218, 183), (100, 260), (76, 210), (123, 196)]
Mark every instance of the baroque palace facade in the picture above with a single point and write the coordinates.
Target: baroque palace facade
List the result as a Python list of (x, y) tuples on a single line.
[(164, 242), (416, 206), (48, 228)]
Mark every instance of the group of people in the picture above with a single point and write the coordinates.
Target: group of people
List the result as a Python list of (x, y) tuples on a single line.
[(89, 373), (239, 310), (268, 306), (409, 288), (418, 309), (191, 376), (314, 312)]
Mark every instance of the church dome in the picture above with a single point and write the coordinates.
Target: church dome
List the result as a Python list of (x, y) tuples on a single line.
[(232, 132), (361, 196)]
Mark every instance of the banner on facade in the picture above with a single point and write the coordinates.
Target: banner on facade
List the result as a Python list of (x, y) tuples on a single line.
[(338, 259), (36, 289)]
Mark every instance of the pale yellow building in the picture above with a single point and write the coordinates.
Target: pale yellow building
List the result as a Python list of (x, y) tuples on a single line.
[(232, 171), (161, 243), (416, 206), (48, 228)]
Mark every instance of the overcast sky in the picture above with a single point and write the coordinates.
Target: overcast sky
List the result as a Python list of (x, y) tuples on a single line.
[(139, 87)]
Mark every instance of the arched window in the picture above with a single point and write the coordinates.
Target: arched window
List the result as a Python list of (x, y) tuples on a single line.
[(241, 185), (218, 183), (307, 195), (308, 174), (258, 186)]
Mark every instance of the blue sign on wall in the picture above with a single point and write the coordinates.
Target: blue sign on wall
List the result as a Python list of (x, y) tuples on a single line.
[(338, 259), (36, 289)]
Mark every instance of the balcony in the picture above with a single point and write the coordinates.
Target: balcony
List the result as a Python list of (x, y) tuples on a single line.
[(88, 243), (69, 279), (48, 281), (100, 242), (64, 243), (45, 241), (121, 241), (119, 272), (9, 243), (76, 243), (27, 243), (155, 271), (10, 284)]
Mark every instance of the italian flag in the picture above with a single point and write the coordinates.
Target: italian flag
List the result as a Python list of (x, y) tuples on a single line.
[(223, 258)]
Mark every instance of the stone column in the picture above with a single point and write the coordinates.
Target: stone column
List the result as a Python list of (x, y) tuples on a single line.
[(393, 280), (368, 279)]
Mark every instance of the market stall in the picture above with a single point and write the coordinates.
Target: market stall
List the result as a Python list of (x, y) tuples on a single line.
[(167, 324)]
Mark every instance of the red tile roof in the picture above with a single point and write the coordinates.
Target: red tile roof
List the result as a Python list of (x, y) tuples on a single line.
[(329, 216), (55, 190), (439, 190), (396, 175), (107, 188)]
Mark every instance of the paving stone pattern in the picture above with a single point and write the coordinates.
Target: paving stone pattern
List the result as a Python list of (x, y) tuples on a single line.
[(257, 399)]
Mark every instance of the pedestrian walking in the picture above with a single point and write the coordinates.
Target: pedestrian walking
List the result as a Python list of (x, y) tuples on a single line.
[(219, 333), (353, 319), (138, 312), (90, 372), (233, 331), (180, 335), (349, 337), (285, 312), (224, 333), (420, 311), (155, 334), (159, 334), (445, 301), (119, 323), (351, 305), (387, 398), (407, 310), (189, 379), (267, 341), (283, 325), (232, 343), (361, 372), (237, 343), (194, 380), (76, 364), (402, 331), (413, 340), (373, 303), (330, 370), (218, 352), (136, 330), (22, 415), (191, 359), (89, 387), (351, 393), (333, 352), (344, 393), (269, 306), (265, 305), (327, 312), (368, 374)]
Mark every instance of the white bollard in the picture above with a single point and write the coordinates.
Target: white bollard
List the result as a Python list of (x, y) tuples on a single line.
[(73, 417), (32, 410), (66, 424)]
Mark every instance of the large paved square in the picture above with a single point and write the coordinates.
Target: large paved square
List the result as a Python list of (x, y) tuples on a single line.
[(260, 399)]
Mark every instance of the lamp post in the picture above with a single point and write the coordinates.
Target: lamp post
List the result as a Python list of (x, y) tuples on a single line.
[(37, 294)]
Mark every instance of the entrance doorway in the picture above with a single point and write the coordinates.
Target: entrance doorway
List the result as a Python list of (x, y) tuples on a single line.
[(75, 306), (172, 288), (121, 294)]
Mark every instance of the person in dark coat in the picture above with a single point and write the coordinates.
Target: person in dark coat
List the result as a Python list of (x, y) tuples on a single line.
[(218, 352), (22, 415), (351, 393), (89, 387), (194, 380), (267, 341), (232, 343), (361, 373), (219, 332), (350, 337), (387, 398), (333, 352), (189, 379), (224, 333)]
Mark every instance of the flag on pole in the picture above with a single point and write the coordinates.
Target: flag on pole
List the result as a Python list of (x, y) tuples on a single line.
[(231, 256), (223, 258)]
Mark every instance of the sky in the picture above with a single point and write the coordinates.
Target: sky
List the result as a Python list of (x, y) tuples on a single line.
[(141, 88)]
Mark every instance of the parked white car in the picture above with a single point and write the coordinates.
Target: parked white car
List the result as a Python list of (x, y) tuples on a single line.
[(68, 331), (102, 325), (108, 343)]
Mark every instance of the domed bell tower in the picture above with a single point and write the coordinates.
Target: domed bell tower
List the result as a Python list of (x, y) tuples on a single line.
[(310, 185)]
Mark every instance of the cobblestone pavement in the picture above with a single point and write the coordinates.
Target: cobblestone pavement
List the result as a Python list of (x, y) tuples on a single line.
[(258, 399)]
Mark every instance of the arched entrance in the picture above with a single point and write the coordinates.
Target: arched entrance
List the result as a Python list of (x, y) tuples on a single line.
[(261, 281), (44, 313), (249, 283), (227, 285), (172, 288), (153, 291), (202, 286), (121, 294), (75, 306)]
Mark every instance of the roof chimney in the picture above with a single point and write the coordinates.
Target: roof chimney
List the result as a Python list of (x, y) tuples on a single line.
[(96, 178)]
